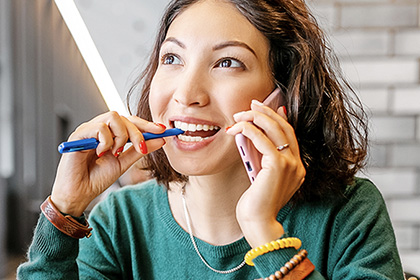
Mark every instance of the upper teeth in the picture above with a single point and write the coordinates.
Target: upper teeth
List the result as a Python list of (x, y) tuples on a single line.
[(194, 127)]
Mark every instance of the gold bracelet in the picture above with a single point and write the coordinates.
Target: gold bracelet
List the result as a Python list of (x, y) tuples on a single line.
[(272, 246)]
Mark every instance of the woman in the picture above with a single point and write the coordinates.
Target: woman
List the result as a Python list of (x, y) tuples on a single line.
[(213, 63)]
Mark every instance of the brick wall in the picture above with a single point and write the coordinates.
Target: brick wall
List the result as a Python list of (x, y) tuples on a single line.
[(378, 43)]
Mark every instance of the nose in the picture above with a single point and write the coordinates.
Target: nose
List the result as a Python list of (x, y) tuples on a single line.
[(192, 89)]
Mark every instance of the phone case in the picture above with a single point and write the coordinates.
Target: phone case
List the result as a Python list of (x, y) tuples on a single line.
[(250, 156)]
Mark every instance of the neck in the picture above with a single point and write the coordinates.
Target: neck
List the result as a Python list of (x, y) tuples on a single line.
[(211, 201)]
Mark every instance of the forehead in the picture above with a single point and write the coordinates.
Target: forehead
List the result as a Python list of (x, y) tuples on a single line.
[(217, 20)]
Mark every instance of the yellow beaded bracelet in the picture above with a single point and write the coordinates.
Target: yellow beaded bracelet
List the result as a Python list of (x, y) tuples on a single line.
[(272, 246)]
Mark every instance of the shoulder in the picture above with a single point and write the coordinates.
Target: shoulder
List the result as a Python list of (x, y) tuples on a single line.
[(363, 232), (363, 191), (364, 207), (359, 198), (362, 186), (362, 201)]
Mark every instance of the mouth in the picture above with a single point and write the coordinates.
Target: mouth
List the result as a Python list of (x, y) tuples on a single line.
[(195, 132)]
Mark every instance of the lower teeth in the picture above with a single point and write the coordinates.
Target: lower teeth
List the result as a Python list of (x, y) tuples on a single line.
[(191, 138)]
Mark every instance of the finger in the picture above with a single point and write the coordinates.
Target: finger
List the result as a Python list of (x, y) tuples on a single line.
[(147, 126), (280, 115), (134, 134), (138, 124), (276, 128), (260, 107), (99, 131), (131, 155), (118, 128), (282, 111), (261, 142)]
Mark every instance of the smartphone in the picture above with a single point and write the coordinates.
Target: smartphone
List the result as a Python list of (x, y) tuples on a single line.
[(250, 156)]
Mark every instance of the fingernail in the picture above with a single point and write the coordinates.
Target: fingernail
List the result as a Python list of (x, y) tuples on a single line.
[(284, 110), (143, 147), (101, 154), (257, 102), (227, 128), (118, 152), (161, 125)]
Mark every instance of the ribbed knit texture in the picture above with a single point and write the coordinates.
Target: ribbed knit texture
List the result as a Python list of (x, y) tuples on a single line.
[(136, 237)]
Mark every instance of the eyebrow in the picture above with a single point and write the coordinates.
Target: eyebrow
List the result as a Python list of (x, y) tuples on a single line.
[(215, 48), (175, 41), (233, 44)]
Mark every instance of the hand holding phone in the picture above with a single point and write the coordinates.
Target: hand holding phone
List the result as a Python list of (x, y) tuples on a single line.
[(249, 154)]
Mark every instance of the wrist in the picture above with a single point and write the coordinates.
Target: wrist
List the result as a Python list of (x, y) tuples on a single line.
[(261, 232), (66, 224), (75, 209)]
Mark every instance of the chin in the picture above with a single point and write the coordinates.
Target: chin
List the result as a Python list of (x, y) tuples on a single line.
[(200, 167), (202, 162), (191, 168)]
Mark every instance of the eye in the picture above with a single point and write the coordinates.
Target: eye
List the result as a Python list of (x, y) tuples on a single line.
[(170, 59), (230, 63)]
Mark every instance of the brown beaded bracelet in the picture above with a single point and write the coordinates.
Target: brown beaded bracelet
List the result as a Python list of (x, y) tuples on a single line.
[(297, 268), (66, 224)]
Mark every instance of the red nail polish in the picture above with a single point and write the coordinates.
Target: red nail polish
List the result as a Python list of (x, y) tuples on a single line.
[(284, 110), (227, 128), (118, 152), (161, 125), (101, 154), (143, 147)]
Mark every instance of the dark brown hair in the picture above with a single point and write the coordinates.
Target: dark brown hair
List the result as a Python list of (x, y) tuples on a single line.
[(328, 118)]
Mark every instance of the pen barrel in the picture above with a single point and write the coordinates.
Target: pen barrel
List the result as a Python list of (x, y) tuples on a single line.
[(92, 143), (78, 145), (169, 132)]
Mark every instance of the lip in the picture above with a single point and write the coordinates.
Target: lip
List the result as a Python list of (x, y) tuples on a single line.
[(193, 146)]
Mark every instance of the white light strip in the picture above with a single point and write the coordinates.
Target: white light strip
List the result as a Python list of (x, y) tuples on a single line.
[(7, 162), (90, 54)]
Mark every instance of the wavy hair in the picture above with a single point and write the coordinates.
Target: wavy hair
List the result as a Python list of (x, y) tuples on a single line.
[(328, 118)]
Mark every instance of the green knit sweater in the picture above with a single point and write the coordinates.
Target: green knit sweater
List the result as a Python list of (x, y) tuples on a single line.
[(136, 237)]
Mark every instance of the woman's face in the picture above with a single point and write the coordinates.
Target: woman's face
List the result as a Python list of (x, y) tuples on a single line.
[(213, 62)]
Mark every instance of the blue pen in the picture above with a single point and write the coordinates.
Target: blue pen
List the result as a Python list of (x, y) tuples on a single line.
[(92, 143)]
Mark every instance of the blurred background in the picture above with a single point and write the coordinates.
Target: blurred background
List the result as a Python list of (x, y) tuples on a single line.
[(46, 90)]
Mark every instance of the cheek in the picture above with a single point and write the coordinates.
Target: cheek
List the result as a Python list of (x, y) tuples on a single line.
[(239, 99), (235, 105), (154, 106), (257, 85), (158, 100)]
